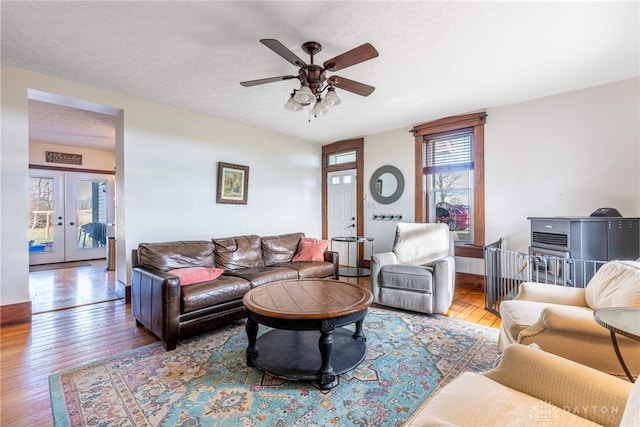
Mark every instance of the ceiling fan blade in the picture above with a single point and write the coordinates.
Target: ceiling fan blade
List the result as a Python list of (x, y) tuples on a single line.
[(354, 56), (351, 85), (267, 80), (283, 51)]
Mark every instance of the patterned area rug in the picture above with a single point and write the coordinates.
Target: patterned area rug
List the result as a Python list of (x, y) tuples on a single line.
[(205, 381)]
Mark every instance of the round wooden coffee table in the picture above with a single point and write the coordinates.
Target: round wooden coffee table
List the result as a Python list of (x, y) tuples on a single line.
[(308, 341)]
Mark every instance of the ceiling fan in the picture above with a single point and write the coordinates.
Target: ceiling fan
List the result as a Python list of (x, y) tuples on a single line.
[(313, 78)]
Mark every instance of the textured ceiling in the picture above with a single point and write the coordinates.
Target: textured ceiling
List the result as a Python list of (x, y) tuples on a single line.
[(435, 58), (60, 124)]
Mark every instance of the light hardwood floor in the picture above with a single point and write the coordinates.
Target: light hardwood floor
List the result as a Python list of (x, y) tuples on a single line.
[(71, 287), (63, 339)]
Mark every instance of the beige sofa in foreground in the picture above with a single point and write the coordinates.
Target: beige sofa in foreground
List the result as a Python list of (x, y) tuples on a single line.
[(531, 387)]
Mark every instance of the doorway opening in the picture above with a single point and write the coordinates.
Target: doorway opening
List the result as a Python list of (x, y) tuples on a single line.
[(72, 162), (344, 160)]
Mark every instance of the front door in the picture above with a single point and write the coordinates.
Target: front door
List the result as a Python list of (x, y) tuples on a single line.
[(71, 214), (341, 212)]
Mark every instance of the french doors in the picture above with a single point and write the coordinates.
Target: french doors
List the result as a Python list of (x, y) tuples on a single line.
[(70, 215), (341, 211)]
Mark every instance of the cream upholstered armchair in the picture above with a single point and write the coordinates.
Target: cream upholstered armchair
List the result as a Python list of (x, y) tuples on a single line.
[(419, 273), (530, 387), (560, 319)]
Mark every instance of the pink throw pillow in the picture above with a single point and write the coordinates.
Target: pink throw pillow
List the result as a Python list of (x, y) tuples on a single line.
[(310, 249), (191, 275)]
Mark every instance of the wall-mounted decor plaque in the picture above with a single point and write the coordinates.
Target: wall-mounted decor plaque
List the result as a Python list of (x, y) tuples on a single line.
[(66, 158)]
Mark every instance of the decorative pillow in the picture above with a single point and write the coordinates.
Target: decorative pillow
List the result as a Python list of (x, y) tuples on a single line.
[(614, 285), (310, 249), (191, 275)]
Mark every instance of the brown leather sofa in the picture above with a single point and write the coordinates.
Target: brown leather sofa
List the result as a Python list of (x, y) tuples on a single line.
[(172, 311)]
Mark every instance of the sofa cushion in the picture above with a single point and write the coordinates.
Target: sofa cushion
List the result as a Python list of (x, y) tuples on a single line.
[(179, 254), (191, 275), (411, 247), (311, 249), (407, 277), (279, 249), (261, 275), (237, 252), (615, 285), (212, 293), (311, 269)]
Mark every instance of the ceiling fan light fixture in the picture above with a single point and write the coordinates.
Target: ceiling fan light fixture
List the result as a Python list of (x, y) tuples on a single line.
[(304, 95), (313, 77), (292, 105), (331, 99), (319, 108)]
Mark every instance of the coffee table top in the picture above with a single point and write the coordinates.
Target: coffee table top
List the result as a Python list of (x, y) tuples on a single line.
[(352, 239), (623, 320), (307, 299)]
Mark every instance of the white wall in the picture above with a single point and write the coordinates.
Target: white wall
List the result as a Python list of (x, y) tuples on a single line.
[(166, 176), (566, 154), (14, 190), (562, 155), (393, 148)]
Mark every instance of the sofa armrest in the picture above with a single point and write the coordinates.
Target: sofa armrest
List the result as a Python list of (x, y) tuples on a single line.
[(541, 292), (572, 320), (134, 258), (568, 385), (444, 283), (155, 303), (334, 258), (377, 261), (384, 258)]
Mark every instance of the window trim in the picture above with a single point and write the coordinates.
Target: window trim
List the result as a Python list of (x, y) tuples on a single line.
[(475, 121)]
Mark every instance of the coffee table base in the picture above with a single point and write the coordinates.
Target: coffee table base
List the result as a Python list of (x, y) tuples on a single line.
[(295, 355)]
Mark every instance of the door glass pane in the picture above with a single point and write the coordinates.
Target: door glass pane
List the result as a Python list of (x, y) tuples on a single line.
[(341, 158), (40, 215), (91, 211)]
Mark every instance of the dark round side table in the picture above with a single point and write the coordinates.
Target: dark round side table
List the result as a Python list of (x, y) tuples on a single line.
[(620, 320), (353, 271)]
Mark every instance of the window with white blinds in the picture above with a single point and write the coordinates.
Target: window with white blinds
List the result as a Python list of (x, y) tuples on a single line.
[(450, 153), (448, 163)]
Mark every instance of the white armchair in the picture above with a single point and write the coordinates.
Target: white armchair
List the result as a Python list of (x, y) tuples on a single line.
[(419, 273), (560, 319)]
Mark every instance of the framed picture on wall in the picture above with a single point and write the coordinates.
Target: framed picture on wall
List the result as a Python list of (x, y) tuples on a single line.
[(233, 183)]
